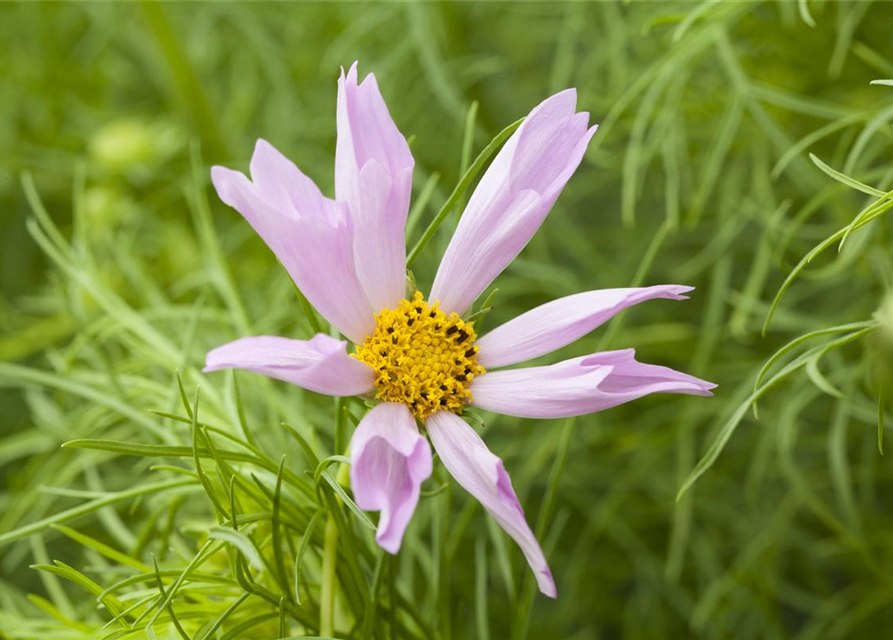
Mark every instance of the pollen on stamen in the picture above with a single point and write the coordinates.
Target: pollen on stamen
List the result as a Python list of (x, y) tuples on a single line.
[(421, 357)]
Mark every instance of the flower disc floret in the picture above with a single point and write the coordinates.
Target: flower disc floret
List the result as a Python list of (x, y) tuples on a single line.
[(421, 357)]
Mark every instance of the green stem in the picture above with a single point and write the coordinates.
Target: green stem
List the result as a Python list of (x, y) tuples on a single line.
[(341, 441), (327, 598), (329, 560), (443, 523)]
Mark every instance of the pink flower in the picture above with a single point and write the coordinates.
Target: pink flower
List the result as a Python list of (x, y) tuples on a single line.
[(419, 358)]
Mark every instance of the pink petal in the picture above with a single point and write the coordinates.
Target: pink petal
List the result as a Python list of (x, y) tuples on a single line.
[(320, 364), (310, 234), (512, 199), (560, 322), (483, 475), (282, 186), (389, 462), (579, 386), (373, 174)]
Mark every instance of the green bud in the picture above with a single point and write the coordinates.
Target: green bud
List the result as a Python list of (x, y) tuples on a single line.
[(123, 144)]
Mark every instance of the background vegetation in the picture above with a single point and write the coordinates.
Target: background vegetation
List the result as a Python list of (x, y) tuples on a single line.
[(119, 267)]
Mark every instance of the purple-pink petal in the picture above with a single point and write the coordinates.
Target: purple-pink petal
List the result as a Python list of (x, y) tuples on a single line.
[(483, 475), (512, 199), (579, 386), (558, 323), (389, 462), (311, 235), (320, 364), (373, 174)]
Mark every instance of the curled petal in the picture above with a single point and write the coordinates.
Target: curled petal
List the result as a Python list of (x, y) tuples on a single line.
[(483, 475), (579, 386), (389, 462), (558, 323), (373, 174), (512, 199), (320, 364), (311, 235)]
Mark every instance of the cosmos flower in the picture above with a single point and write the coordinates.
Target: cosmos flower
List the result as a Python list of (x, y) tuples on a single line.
[(417, 357)]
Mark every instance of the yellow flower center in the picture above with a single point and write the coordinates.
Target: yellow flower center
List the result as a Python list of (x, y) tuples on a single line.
[(421, 357)]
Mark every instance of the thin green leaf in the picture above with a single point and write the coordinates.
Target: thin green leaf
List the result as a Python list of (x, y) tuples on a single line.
[(278, 556), (64, 571), (341, 493), (309, 453), (90, 507), (421, 202), (240, 411), (112, 554), (306, 538), (223, 616), (728, 428), (805, 15), (154, 450), (326, 462), (203, 554), (818, 378), (183, 398), (170, 607), (845, 179), (372, 605)]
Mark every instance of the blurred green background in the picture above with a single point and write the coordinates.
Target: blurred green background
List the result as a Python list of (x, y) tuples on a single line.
[(110, 118)]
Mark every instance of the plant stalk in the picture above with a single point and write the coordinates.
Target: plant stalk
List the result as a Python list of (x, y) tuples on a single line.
[(327, 598)]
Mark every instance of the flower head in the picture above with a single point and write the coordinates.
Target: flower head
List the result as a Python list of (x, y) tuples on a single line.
[(422, 357), (419, 358)]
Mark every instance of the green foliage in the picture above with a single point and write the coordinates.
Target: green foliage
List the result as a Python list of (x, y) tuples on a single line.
[(740, 145)]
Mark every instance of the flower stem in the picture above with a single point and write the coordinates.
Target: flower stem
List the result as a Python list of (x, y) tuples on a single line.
[(327, 598), (329, 558)]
